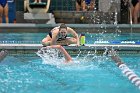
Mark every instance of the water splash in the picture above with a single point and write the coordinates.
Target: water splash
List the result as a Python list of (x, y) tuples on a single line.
[(50, 56), (80, 62)]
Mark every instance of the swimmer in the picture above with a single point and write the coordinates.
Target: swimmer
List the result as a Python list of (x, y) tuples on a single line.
[(3, 54), (62, 49), (4, 10), (59, 36)]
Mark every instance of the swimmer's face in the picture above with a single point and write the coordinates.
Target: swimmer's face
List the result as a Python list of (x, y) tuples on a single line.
[(63, 32)]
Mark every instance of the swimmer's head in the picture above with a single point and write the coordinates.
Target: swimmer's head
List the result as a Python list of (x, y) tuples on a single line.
[(63, 30)]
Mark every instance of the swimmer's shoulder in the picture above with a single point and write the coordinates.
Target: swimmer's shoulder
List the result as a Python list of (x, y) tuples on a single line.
[(55, 29)]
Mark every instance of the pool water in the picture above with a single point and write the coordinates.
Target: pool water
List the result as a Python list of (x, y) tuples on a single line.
[(90, 37), (97, 74)]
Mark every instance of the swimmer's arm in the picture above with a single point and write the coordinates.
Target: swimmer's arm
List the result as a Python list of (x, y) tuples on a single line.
[(75, 35), (66, 55)]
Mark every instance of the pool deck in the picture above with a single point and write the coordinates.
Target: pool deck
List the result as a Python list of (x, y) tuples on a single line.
[(126, 47)]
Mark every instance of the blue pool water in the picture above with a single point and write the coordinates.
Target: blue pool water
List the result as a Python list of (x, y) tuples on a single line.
[(90, 37), (97, 74)]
